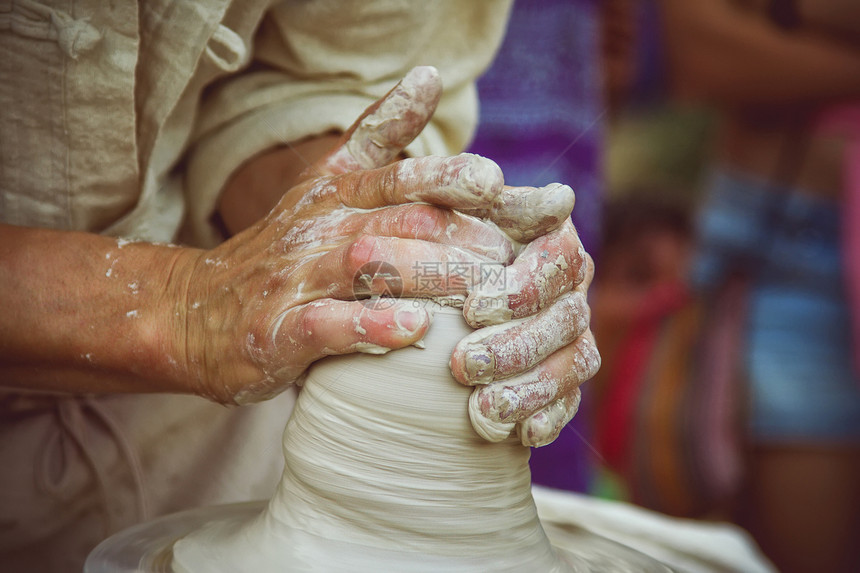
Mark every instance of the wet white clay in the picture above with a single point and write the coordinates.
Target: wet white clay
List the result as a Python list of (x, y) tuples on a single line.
[(385, 473)]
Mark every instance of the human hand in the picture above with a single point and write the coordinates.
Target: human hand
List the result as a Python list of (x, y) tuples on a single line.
[(279, 295), (537, 347)]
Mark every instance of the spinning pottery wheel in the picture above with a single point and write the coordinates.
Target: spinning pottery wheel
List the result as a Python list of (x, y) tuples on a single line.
[(383, 472)]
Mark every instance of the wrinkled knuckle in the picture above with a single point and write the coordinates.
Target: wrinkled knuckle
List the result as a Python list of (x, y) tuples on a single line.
[(346, 186), (360, 252), (586, 274), (480, 177), (306, 323), (261, 337), (388, 183), (422, 221), (591, 359), (575, 307)]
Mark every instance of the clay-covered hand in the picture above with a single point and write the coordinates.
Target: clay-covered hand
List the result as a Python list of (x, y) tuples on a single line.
[(536, 348), (281, 294)]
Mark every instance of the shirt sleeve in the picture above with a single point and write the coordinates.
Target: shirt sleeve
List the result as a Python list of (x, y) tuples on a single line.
[(317, 65)]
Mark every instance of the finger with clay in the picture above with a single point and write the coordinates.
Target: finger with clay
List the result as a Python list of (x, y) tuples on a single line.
[(526, 213), (537, 347)]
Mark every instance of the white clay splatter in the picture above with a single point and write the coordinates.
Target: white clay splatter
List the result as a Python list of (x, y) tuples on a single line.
[(109, 272), (369, 348), (370, 144), (464, 181), (356, 321), (216, 262)]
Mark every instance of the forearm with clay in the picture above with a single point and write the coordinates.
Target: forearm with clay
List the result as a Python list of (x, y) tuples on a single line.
[(87, 313)]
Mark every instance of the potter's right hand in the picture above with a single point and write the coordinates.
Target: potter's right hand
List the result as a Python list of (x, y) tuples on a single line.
[(279, 295)]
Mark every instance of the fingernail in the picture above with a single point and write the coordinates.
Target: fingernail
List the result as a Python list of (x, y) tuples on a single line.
[(488, 309), (483, 177), (545, 426), (536, 431), (480, 364), (409, 320), (490, 430), (533, 437), (498, 405), (537, 211), (559, 199), (420, 75)]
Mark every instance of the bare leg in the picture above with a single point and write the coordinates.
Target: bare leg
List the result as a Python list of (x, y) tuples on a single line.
[(803, 507)]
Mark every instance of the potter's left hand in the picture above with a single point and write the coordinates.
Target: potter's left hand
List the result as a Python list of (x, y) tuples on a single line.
[(537, 347)]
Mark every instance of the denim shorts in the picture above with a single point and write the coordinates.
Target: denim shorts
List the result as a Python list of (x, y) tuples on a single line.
[(802, 383)]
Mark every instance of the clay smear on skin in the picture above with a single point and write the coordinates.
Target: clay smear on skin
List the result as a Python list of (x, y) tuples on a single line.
[(528, 212), (559, 327), (501, 300), (524, 347), (463, 181), (288, 374), (313, 234), (381, 135), (545, 425), (524, 395), (536, 388), (535, 392), (551, 279)]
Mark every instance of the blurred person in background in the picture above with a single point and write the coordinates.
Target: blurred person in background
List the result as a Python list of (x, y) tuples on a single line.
[(773, 211), (657, 150)]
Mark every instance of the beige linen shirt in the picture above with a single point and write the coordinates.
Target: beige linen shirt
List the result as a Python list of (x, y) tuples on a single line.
[(118, 119), (127, 120)]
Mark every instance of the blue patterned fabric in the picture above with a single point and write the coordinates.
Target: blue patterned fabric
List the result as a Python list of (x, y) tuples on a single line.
[(801, 380)]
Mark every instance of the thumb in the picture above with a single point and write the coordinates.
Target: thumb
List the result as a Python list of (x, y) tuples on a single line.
[(387, 126)]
